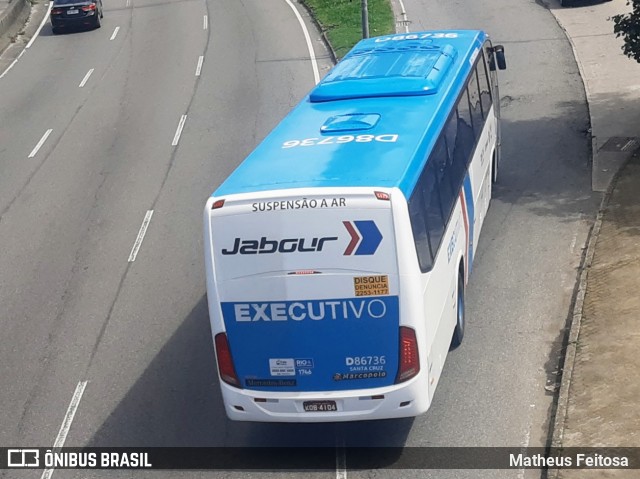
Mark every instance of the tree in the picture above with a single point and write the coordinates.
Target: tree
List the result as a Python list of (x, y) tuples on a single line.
[(627, 26)]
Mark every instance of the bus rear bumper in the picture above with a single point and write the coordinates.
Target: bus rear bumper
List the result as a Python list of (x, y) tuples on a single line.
[(404, 400)]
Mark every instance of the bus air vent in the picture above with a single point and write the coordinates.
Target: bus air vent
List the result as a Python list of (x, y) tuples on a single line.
[(351, 122), (408, 69)]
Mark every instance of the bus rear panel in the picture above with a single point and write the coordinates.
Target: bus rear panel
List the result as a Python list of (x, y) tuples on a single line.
[(306, 308)]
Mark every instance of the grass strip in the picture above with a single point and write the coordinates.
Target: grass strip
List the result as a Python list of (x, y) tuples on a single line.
[(341, 20)]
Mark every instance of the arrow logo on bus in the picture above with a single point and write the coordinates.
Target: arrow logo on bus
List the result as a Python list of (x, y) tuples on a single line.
[(365, 236)]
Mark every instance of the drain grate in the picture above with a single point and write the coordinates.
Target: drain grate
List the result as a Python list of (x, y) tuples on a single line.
[(618, 144)]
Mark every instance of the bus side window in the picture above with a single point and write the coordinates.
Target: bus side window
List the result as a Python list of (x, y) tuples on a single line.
[(433, 208), (449, 132), (485, 86), (474, 99), (419, 227), (457, 161), (440, 161), (465, 139)]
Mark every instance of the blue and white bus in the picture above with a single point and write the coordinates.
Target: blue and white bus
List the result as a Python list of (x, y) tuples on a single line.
[(338, 252)]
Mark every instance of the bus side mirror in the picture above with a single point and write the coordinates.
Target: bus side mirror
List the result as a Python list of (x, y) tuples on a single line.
[(500, 59)]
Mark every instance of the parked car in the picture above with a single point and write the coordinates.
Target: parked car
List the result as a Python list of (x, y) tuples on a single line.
[(72, 13)]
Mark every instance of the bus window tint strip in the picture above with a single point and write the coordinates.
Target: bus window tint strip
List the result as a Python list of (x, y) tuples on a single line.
[(435, 195)]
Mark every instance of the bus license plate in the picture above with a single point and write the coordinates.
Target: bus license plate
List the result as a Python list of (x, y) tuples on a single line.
[(319, 406)]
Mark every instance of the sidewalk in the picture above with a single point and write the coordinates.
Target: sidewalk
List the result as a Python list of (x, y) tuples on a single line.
[(600, 389), (604, 391)]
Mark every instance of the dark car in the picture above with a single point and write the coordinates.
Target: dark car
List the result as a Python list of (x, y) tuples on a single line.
[(573, 3), (75, 13)]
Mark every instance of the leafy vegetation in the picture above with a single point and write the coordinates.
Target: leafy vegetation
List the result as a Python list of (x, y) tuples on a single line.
[(627, 26), (342, 21)]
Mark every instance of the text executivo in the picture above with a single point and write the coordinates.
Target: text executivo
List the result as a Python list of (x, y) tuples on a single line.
[(317, 310)]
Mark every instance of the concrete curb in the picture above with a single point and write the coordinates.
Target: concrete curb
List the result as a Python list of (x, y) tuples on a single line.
[(562, 406), (16, 13)]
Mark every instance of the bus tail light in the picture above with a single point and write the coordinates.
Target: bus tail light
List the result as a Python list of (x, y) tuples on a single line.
[(409, 363), (225, 361), (381, 195), (217, 204)]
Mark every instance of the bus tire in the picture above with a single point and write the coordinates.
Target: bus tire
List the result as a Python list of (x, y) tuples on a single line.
[(458, 331)]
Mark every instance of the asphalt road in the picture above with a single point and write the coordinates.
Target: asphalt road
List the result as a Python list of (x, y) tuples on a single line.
[(75, 309)]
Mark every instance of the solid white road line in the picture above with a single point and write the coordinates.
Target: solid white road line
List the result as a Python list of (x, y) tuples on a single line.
[(141, 233), (128, 3), (115, 33), (30, 42), (199, 67), (46, 17), (404, 17), (85, 79), (176, 137), (9, 67), (312, 54), (12, 63), (205, 22), (40, 143), (66, 423), (341, 460)]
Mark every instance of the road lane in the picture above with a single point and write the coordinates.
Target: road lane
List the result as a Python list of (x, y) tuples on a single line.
[(39, 93), (158, 337), (69, 221), (127, 328)]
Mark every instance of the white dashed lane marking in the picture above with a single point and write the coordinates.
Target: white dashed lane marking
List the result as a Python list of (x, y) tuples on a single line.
[(141, 233), (86, 78), (40, 143), (176, 137)]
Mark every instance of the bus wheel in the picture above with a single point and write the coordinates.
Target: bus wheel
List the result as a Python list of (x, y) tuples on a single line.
[(458, 332)]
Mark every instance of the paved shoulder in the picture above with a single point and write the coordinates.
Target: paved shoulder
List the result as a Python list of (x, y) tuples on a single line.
[(602, 405)]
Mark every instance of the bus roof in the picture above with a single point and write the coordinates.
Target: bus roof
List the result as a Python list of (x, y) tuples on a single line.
[(370, 122)]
